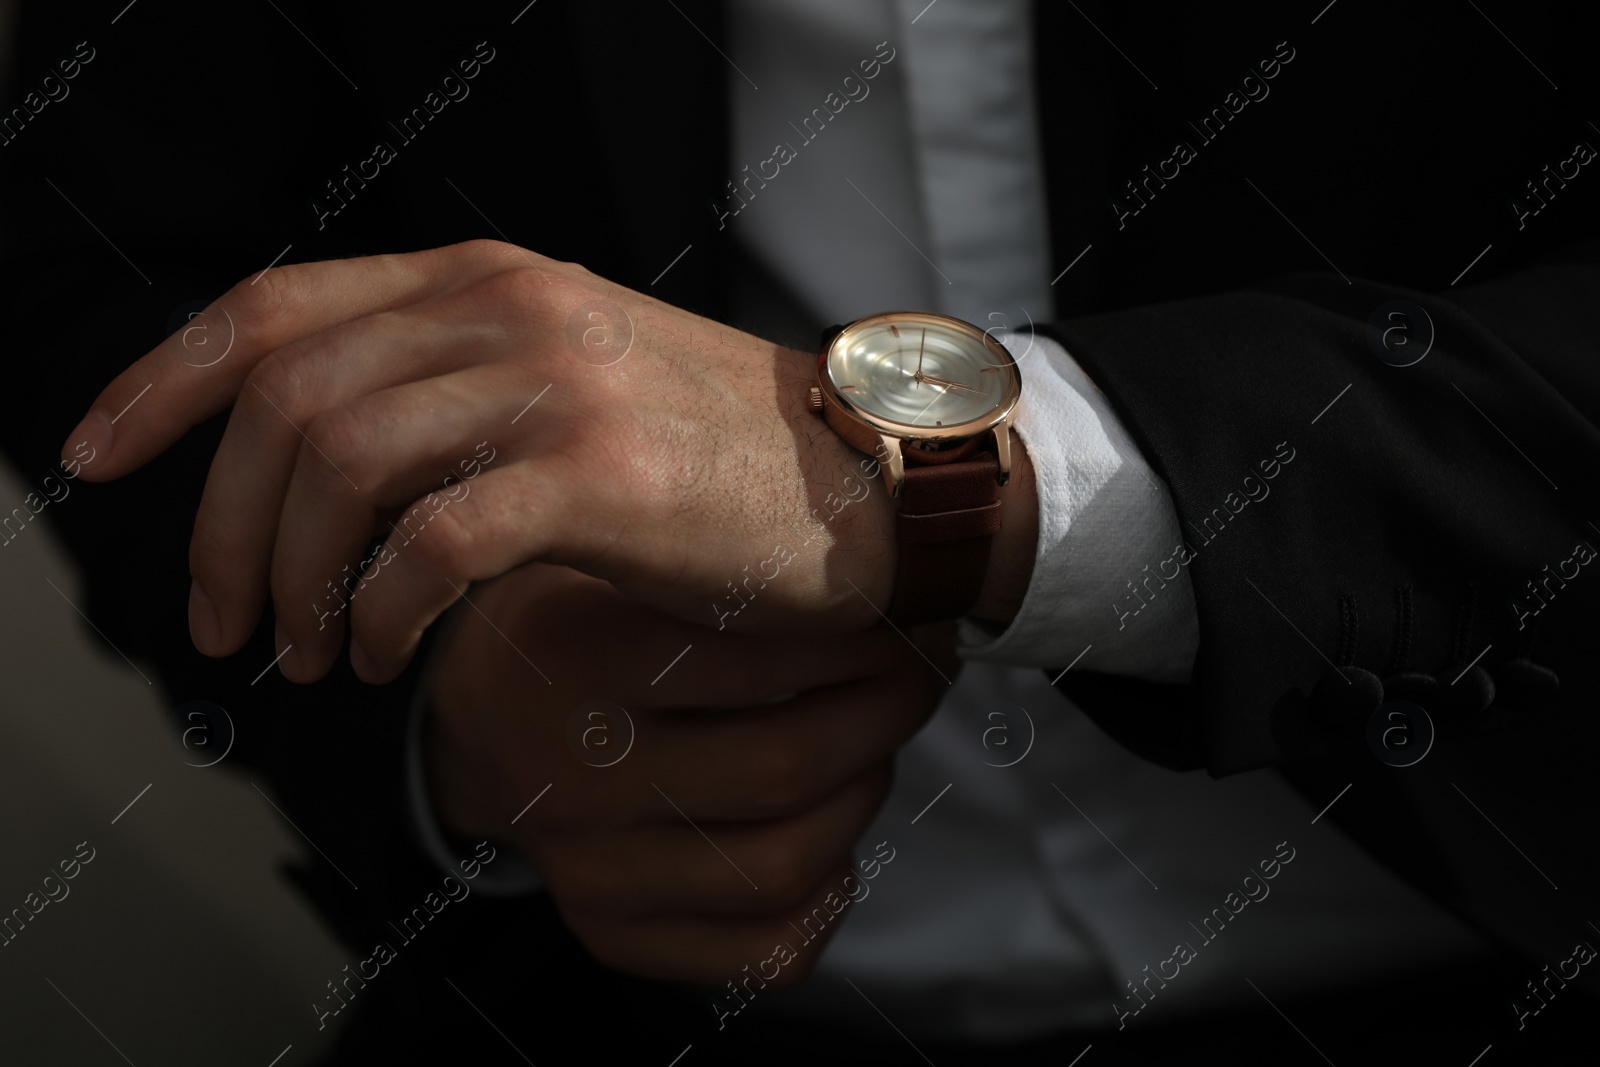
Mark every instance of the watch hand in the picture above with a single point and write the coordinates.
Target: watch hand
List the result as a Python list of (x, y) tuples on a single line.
[(920, 346), (946, 384)]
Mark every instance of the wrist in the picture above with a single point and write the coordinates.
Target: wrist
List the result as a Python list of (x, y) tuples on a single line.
[(1015, 545)]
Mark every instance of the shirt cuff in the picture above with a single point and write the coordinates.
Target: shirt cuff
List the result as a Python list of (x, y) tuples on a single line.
[(1105, 518), (513, 875)]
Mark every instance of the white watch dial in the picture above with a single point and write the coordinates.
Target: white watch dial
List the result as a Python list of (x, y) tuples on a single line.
[(921, 373)]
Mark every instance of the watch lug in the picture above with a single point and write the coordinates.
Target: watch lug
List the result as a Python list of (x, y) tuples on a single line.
[(1002, 450), (893, 464), (829, 333)]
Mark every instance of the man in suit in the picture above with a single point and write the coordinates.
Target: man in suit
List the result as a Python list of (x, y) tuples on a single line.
[(1352, 589)]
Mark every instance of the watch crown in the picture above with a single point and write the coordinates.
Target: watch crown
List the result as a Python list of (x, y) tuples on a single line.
[(816, 399)]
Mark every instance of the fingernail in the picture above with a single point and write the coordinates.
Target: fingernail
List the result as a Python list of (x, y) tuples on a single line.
[(362, 663), (91, 440), (204, 627), (288, 658)]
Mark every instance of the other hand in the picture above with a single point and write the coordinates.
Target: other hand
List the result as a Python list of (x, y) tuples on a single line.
[(685, 817)]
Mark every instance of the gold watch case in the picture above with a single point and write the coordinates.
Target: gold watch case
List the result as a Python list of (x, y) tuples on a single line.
[(898, 443)]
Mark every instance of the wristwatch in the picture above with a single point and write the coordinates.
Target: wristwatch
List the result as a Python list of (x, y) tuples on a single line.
[(932, 397)]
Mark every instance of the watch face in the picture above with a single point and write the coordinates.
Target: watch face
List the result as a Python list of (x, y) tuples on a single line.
[(920, 370)]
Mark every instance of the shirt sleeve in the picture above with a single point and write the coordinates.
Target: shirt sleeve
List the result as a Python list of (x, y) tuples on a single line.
[(513, 874), (1105, 519)]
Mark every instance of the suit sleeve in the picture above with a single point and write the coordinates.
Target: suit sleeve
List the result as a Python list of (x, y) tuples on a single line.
[(1360, 533), (1354, 528)]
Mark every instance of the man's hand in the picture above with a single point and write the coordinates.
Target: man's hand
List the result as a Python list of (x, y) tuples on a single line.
[(733, 812), (395, 395)]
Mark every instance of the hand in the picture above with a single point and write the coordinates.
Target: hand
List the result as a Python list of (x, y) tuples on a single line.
[(363, 388), (781, 791)]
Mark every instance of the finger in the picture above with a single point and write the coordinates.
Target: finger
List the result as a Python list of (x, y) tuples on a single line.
[(434, 555), (740, 870), (771, 953), (778, 760), (522, 513), (365, 458), (285, 412), (602, 506), (199, 370)]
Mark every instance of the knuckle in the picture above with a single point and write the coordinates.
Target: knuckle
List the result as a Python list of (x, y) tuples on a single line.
[(785, 870), (583, 887), (446, 542), (211, 553), (334, 436), (280, 385), (783, 780), (491, 250), (573, 268), (261, 301), (742, 679), (523, 292)]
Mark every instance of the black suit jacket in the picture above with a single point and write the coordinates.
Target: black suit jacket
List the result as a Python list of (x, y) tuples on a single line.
[(1246, 234)]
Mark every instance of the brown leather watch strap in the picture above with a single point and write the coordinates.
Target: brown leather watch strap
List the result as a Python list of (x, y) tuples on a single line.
[(949, 513)]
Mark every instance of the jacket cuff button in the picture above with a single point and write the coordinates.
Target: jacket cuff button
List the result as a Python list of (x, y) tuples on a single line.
[(1465, 701), (1522, 685), (1344, 699)]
